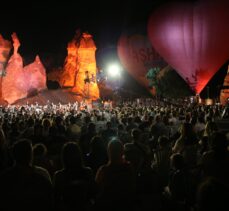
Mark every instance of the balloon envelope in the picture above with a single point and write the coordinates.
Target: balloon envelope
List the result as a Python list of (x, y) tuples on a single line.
[(137, 56), (193, 38)]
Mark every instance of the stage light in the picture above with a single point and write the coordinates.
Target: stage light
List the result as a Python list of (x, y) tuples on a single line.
[(114, 70)]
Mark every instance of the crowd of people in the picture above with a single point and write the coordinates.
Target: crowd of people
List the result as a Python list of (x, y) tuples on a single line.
[(137, 155)]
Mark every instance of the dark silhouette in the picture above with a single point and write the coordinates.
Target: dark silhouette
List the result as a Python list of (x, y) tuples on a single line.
[(23, 186)]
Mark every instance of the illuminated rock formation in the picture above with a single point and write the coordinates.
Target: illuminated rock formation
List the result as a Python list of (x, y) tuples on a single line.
[(80, 67), (224, 94), (54, 75), (5, 47), (13, 83), (71, 65), (35, 76), (18, 81)]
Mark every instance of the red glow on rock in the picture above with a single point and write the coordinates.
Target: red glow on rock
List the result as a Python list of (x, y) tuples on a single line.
[(35, 76), (5, 47), (80, 63), (19, 81)]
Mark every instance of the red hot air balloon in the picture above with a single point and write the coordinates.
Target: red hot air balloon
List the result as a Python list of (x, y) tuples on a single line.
[(193, 38), (137, 56)]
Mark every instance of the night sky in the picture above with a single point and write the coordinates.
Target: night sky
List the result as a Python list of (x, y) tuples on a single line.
[(45, 27)]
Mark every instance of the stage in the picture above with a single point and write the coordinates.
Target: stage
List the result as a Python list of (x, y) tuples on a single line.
[(63, 96)]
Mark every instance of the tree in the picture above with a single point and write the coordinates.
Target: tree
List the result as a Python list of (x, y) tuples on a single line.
[(168, 83)]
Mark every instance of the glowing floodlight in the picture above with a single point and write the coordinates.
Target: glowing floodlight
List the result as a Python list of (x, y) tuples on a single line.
[(114, 70)]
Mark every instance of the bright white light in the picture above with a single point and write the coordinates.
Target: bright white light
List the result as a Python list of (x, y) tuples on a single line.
[(114, 70)]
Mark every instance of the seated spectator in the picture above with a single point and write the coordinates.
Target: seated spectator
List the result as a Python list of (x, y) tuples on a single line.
[(37, 136), (85, 138), (108, 134), (40, 158), (212, 195), (210, 129), (3, 150), (137, 152), (97, 155), (199, 127), (215, 162), (177, 181), (162, 160), (46, 124), (115, 180), (73, 130), (14, 133), (187, 145), (74, 184), (58, 127), (24, 187)]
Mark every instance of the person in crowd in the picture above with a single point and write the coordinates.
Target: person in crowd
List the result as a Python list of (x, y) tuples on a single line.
[(137, 153), (108, 134), (3, 150), (74, 184), (212, 195), (23, 186), (161, 161), (85, 138), (40, 157), (215, 162), (179, 190), (73, 130), (210, 129), (46, 127), (187, 145), (116, 180), (97, 155), (157, 129)]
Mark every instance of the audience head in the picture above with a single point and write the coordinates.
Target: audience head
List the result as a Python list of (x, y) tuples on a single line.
[(30, 122), (96, 144), (158, 118), (58, 120), (38, 129), (71, 156), (22, 152), (219, 142), (163, 141), (115, 151), (187, 129), (72, 120), (91, 127), (46, 123), (136, 134), (177, 161), (109, 125), (210, 128), (212, 195), (39, 150)]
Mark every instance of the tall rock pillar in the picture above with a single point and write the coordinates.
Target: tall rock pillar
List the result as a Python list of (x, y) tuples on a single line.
[(79, 71)]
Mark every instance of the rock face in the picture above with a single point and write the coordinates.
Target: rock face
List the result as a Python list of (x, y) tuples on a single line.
[(80, 67), (5, 47), (14, 84), (20, 81), (224, 94), (35, 75), (71, 66)]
